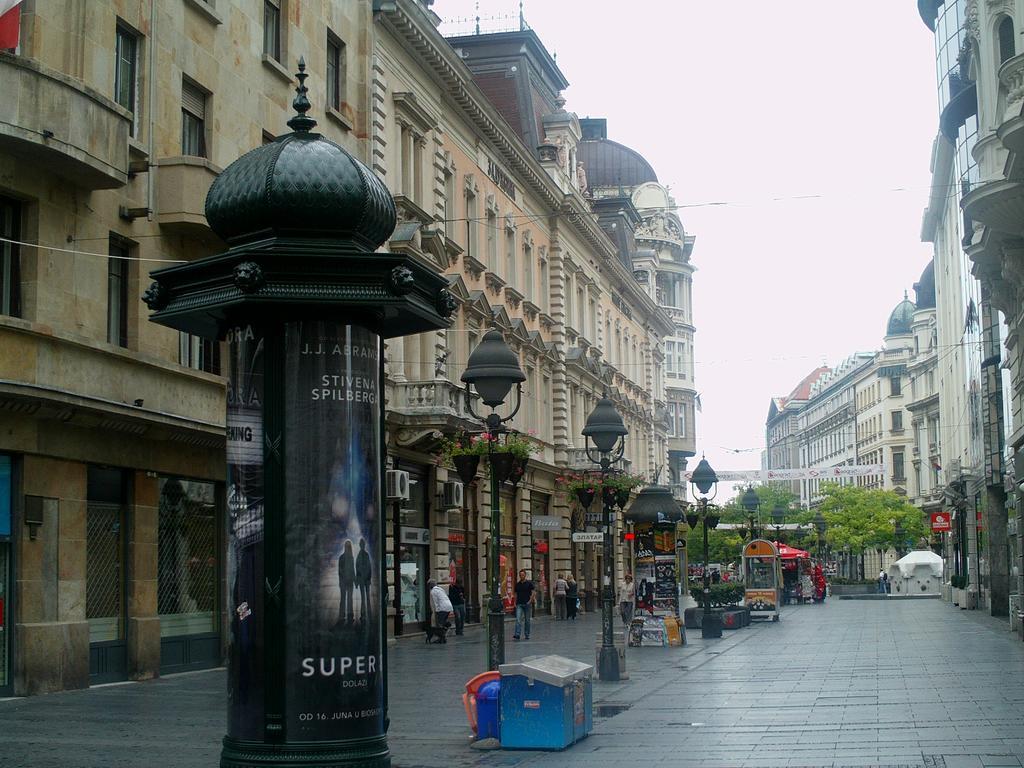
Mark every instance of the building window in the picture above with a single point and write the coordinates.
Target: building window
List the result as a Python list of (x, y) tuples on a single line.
[(492, 241), (335, 71), (126, 52), (449, 204), (542, 274), (471, 229), (898, 474), (510, 256), (193, 120), (117, 291), (1007, 47), (527, 269), (272, 29), (198, 353), (10, 258), (897, 421), (895, 386)]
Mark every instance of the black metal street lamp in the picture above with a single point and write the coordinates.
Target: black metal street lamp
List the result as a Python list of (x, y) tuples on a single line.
[(821, 526), (778, 518), (492, 370), (751, 504), (605, 428), (705, 481)]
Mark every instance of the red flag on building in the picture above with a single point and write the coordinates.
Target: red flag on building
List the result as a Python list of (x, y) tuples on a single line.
[(10, 23)]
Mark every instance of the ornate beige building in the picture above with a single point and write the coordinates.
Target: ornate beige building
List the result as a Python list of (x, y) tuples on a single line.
[(116, 119)]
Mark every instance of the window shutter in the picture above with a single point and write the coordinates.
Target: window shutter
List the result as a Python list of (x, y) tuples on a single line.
[(193, 100)]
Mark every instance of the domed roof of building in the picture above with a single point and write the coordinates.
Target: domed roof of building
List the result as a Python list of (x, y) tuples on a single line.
[(300, 182), (610, 164), (924, 289), (901, 318)]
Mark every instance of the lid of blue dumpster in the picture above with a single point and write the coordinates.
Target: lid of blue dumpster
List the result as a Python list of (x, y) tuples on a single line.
[(553, 670), (489, 691)]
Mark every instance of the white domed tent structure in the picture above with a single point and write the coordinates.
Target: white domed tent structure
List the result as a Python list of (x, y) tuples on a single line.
[(916, 574)]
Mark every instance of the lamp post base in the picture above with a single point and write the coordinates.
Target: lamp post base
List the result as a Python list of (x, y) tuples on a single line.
[(608, 665), (495, 634)]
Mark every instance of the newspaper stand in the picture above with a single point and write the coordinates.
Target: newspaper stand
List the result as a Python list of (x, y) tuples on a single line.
[(763, 578), (546, 702)]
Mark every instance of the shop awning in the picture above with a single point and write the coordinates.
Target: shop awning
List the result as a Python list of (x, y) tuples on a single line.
[(791, 553)]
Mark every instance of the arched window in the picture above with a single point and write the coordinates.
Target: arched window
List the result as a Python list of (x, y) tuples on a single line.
[(1006, 44)]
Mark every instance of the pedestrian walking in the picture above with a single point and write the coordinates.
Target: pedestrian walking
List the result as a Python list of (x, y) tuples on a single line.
[(572, 598), (457, 595), (561, 587), (886, 586), (525, 600), (627, 598), (881, 582), (441, 606)]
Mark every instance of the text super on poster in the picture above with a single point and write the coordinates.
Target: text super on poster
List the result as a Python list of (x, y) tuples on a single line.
[(333, 532), (245, 525)]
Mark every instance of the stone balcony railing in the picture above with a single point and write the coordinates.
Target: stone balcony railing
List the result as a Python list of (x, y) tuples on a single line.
[(439, 402), (578, 460), (181, 187), (1011, 78)]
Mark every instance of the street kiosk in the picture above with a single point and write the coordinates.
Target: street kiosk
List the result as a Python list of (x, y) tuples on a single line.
[(763, 578)]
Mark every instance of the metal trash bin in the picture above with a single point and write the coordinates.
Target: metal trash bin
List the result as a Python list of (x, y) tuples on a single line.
[(546, 702), (619, 641)]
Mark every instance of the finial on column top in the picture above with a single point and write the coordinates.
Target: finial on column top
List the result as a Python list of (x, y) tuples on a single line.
[(301, 123)]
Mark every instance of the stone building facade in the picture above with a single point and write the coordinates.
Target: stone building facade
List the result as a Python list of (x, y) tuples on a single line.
[(118, 116), (973, 219)]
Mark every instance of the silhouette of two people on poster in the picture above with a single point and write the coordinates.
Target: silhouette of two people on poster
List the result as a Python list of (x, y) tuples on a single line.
[(354, 570)]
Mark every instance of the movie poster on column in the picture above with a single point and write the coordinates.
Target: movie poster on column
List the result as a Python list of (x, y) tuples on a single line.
[(334, 685), (245, 526)]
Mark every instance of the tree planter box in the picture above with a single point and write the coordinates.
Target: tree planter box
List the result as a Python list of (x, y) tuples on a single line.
[(734, 619), (711, 626), (691, 617)]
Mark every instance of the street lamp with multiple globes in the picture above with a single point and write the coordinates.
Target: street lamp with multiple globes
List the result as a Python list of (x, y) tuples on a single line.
[(751, 504), (705, 481), (492, 369), (605, 428)]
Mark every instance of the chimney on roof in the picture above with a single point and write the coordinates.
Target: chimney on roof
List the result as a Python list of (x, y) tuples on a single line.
[(594, 128)]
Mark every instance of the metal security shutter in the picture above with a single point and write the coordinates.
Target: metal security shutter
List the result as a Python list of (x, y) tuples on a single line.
[(193, 100)]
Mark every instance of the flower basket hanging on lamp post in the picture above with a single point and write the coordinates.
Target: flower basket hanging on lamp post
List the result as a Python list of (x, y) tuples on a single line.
[(466, 465)]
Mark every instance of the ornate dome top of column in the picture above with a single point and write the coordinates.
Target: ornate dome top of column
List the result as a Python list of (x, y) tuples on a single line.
[(300, 185)]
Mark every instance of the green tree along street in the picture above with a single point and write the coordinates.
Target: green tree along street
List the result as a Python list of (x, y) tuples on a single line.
[(725, 545), (867, 518)]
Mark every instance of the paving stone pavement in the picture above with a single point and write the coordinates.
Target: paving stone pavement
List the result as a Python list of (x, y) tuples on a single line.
[(848, 683)]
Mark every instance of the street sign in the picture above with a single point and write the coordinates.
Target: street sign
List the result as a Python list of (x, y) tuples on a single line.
[(940, 522), (587, 537)]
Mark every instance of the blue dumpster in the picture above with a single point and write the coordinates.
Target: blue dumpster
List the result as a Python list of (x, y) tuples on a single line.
[(488, 700), (546, 702)]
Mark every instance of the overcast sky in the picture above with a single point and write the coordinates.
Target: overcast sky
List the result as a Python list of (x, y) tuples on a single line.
[(746, 103)]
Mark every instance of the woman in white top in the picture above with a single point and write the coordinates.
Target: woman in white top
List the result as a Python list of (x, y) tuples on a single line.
[(561, 586)]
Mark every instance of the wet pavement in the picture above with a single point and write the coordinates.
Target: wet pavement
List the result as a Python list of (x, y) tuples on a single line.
[(848, 683)]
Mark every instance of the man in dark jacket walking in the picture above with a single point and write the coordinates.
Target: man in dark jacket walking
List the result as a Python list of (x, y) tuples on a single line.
[(457, 594)]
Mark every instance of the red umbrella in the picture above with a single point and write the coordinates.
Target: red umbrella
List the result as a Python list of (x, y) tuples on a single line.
[(787, 552)]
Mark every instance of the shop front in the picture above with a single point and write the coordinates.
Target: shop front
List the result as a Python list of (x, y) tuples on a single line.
[(6, 575), (413, 557), (105, 573), (462, 557), (541, 526), (188, 566)]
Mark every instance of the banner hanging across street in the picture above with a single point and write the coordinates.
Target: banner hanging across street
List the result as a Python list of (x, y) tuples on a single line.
[(808, 473)]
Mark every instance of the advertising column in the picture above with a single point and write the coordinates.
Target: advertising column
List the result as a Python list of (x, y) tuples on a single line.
[(334, 684)]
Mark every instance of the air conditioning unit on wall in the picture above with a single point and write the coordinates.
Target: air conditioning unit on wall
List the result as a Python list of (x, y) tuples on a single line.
[(397, 484), (452, 495)]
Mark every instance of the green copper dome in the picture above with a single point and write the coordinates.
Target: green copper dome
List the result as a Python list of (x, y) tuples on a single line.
[(301, 184), (902, 318)]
